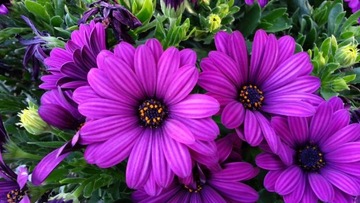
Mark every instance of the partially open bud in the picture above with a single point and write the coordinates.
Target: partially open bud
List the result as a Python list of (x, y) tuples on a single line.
[(346, 55), (214, 22), (31, 121), (172, 8)]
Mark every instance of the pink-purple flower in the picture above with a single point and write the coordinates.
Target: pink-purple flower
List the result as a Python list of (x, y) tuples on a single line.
[(322, 157), (262, 3), (274, 81), (138, 106), (3, 7)]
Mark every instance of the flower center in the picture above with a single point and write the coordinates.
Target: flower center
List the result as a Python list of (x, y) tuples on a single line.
[(190, 189), (251, 97), (152, 113), (310, 158), (15, 196)]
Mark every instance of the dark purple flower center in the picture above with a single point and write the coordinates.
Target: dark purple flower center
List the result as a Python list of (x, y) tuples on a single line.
[(15, 196), (152, 113), (251, 97), (191, 189), (310, 158)]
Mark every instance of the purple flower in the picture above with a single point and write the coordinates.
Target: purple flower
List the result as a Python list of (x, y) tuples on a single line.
[(262, 3), (208, 185), (174, 4), (3, 7), (13, 187), (69, 66), (138, 105), (274, 82), (35, 48), (322, 156), (114, 15), (354, 5)]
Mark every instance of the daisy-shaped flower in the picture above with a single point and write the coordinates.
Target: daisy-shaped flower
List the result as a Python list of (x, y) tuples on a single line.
[(274, 82), (206, 185), (69, 67), (323, 157), (138, 105), (3, 7)]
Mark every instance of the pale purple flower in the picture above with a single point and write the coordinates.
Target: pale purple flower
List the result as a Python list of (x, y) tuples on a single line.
[(322, 157), (138, 105), (275, 81), (262, 3), (3, 7), (69, 67), (354, 5)]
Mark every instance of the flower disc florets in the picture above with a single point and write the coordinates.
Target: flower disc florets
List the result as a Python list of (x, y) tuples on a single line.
[(15, 196), (251, 97), (152, 113), (310, 158)]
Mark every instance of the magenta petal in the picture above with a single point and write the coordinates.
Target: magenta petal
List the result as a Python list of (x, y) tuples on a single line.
[(321, 187), (126, 52), (177, 156), (43, 169), (145, 69), (270, 180), (168, 64), (286, 48), (25, 199), (309, 196), (195, 198), (300, 109), (235, 191), (306, 83), (237, 51), (22, 176), (210, 195), (345, 183), (182, 83), (213, 82), (57, 116), (235, 171), (336, 103), (320, 121), (139, 164), (269, 162), (160, 169), (298, 192), (281, 128), (268, 59), (349, 133), (346, 153), (348, 168), (287, 181), (258, 47), (204, 148), (268, 132), (155, 46), (151, 188), (221, 39), (203, 129), (187, 57), (252, 130), (196, 106), (233, 115), (99, 108), (178, 131), (84, 93), (340, 119), (299, 129)]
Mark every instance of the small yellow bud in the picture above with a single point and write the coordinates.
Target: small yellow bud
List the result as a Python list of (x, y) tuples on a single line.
[(214, 22), (346, 55), (31, 121)]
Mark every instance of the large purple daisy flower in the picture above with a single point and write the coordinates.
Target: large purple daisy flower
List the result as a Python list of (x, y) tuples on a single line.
[(210, 185), (323, 157), (69, 66), (138, 105), (275, 81)]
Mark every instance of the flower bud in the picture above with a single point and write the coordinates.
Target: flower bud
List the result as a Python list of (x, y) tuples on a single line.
[(346, 55), (214, 22), (172, 8), (31, 121)]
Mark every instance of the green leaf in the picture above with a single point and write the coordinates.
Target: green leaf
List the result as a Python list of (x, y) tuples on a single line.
[(56, 21), (146, 12), (274, 14), (38, 10), (352, 20), (334, 12), (251, 20)]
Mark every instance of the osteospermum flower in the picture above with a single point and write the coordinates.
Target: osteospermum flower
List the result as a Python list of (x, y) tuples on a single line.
[(274, 82), (323, 157), (262, 3), (210, 185), (69, 66), (138, 105), (3, 7)]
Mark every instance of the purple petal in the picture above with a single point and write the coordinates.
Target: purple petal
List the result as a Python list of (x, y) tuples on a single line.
[(233, 115), (309, 196), (235, 191), (307, 84), (57, 116), (336, 103), (168, 64), (177, 156), (321, 187), (139, 164), (100, 108), (349, 133), (151, 187), (268, 59), (320, 121), (43, 169), (268, 132), (95, 131), (234, 172), (346, 153), (210, 195), (3, 10), (203, 129), (160, 168), (287, 181), (270, 180), (269, 162), (225, 146), (155, 47), (196, 106), (178, 131), (281, 128), (299, 129), (298, 192), (182, 83), (258, 47), (22, 177), (204, 148), (213, 82), (287, 71), (221, 39), (348, 168), (286, 48), (145, 69), (237, 51), (345, 183), (187, 57), (300, 109), (82, 94), (339, 120), (114, 151), (252, 130), (25, 199), (126, 52)]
